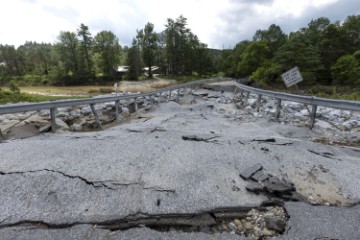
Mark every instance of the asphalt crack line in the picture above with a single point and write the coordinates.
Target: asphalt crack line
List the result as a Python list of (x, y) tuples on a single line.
[(95, 184)]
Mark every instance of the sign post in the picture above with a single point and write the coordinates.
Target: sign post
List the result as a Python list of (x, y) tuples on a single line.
[(116, 88), (293, 77)]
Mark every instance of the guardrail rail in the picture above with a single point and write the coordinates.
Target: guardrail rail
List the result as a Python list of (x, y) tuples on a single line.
[(53, 105), (309, 100)]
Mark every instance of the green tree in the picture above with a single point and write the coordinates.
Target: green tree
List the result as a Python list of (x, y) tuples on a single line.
[(184, 51), (267, 73), (13, 61), (108, 48), (38, 58), (147, 40), (299, 51), (351, 28), (315, 30), (67, 50), (253, 57), (134, 61), (346, 70), (86, 45), (331, 47), (231, 59), (176, 44), (274, 38)]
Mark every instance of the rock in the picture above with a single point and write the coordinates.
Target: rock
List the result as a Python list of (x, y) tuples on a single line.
[(247, 173), (62, 114), (77, 127), (304, 112), (254, 187), (86, 110), (232, 226), (251, 102), (248, 226), (45, 128), (299, 116), (276, 224), (348, 125), (266, 232), (275, 185), (125, 112), (260, 176), (322, 124), (61, 124), (238, 224), (44, 112), (248, 109), (22, 131), (38, 120), (186, 100), (201, 92)]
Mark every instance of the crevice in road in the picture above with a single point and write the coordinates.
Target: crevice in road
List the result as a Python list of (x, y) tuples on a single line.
[(159, 189), (96, 184), (208, 138), (254, 222), (325, 154)]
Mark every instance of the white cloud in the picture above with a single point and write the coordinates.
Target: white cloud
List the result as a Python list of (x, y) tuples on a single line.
[(217, 23)]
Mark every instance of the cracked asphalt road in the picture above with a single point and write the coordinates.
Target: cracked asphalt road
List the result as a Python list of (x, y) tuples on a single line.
[(71, 185)]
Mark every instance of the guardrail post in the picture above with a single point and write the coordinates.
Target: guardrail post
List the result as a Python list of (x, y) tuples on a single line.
[(313, 115), (246, 98), (95, 115), (53, 119), (242, 97), (1, 137), (258, 101), (117, 110), (278, 108), (135, 105)]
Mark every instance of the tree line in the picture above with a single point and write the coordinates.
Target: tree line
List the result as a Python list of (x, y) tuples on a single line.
[(326, 53), (78, 57)]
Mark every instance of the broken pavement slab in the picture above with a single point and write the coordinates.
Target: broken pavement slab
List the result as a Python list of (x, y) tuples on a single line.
[(260, 176), (248, 172), (321, 222)]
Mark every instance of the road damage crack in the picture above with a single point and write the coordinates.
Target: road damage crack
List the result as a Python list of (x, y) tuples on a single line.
[(158, 189), (209, 138), (239, 220), (95, 184)]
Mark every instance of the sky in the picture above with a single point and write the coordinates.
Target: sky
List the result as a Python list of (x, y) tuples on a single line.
[(218, 23)]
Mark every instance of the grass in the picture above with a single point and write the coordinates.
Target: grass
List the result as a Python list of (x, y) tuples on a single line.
[(336, 92), (333, 92), (145, 85), (51, 93), (14, 97)]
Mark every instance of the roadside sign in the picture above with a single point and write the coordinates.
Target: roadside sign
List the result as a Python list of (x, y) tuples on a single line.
[(292, 77)]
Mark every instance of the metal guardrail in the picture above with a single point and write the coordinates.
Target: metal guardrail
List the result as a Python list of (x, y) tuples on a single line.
[(310, 100), (52, 105)]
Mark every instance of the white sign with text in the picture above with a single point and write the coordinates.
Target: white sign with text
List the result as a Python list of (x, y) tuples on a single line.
[(292, 77)]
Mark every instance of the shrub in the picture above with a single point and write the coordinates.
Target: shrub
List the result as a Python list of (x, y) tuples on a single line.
[(14, 88)]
